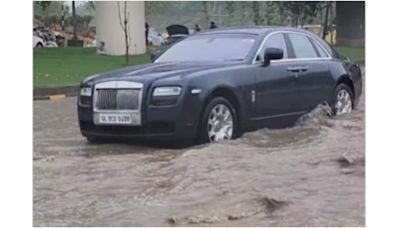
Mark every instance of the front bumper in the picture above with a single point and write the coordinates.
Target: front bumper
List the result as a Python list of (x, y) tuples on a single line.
[(160, 130), (170, 122)]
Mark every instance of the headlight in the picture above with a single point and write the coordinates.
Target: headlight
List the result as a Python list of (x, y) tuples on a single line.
[(86, 91), (167, 91)]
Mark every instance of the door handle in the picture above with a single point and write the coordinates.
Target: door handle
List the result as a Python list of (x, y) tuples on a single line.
[(297, 69), (304, 68), (293, 69)]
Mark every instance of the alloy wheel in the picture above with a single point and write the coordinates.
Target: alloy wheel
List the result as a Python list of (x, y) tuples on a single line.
[(220, 123), (343, 103)]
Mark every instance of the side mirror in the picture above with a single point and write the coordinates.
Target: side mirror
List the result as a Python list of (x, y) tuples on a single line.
[(154, 56), (272, 54)]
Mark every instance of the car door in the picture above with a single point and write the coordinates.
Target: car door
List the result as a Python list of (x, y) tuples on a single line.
[(313, 80), (275, 89)]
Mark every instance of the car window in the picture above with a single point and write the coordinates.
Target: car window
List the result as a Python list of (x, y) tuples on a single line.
[(276, 41), (321, 51), (302, 46), (153, 32)]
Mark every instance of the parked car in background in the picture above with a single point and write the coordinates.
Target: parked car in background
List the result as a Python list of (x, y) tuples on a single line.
[(46, 35), (155, 38), (176, 33), (37, 41), (218, 84)]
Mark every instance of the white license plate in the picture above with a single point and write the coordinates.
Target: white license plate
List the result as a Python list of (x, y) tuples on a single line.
[(115, 119)]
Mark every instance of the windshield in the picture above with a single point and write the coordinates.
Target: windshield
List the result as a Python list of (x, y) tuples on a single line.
[(213, 47), (153, 32)]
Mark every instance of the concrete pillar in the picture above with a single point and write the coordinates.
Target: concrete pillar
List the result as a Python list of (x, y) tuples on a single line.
[(110, 38)]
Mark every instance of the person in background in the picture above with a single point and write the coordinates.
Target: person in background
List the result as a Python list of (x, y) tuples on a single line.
[(146, 26), (197, 28), (212, 25)]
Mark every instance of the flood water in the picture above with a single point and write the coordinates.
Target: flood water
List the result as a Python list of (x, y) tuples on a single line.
[(312, 174)]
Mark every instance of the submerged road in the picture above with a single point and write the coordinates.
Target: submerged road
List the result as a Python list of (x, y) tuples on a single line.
[(312, 174)]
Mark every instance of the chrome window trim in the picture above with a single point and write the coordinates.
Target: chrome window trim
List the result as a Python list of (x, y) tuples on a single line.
[(135, 113), (292, 59)]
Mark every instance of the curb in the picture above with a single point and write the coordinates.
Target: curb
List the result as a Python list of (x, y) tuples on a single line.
[(55, 93)]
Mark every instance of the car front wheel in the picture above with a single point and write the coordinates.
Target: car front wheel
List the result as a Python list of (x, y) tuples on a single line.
[(343, 100), (219, 121)]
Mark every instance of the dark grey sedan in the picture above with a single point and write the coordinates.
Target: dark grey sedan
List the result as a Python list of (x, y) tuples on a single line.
[(215, 85)]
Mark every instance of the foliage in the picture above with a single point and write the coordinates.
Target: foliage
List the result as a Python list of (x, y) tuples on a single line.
[(160, 14), (86, 8), (42, 9), (301, 11), (230, 7), (205, 8), (50, 12), (42, 4), (257, 18)]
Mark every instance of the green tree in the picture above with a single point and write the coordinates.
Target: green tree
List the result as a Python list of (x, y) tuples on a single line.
[(43, 4), (206, 12), (299, 12), (47, 10), (230, 7)]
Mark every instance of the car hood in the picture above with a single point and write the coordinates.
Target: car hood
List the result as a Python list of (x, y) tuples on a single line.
[(177, 29), (154, 71)]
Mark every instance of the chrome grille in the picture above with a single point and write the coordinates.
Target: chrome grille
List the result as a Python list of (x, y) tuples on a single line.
[(117, 99)]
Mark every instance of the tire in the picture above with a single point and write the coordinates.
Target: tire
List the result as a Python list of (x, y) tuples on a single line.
[(39, 45), (339, 91), (215, 105)]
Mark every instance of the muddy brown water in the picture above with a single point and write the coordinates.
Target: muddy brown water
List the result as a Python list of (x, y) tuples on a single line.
[(312, 174)]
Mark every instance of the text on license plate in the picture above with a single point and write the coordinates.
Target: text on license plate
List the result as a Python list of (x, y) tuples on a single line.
[(115, 119)]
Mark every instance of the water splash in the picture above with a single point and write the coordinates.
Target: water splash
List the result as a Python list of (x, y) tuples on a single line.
[(305, 129)]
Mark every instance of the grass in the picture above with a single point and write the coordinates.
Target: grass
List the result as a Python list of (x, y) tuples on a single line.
[(68, 66), (356, 54)]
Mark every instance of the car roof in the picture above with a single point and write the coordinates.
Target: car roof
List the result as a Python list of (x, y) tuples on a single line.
[(256, 30)]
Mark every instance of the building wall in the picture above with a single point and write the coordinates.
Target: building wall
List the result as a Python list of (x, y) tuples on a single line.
[(110, 37), (350, 23)]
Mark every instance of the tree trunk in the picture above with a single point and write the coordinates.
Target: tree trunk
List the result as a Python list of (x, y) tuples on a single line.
[(267, 13), (124, 26), (256, 13), (243, 5), (206, 13), (126, 45), (126, 35), (331, 24), (326, 19), (74, 19)]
